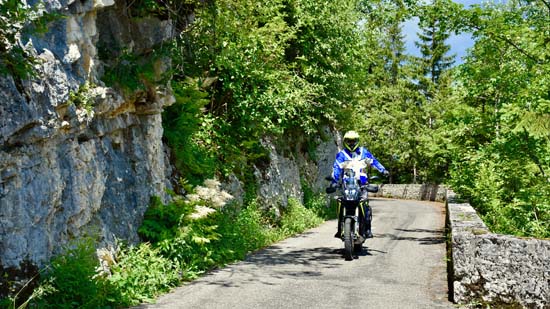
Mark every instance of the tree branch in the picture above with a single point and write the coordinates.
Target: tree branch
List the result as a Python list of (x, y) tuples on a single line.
[(509, 42), (547, 4)]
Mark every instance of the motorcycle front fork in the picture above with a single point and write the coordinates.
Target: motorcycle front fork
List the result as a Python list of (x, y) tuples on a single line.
[(363, 218)]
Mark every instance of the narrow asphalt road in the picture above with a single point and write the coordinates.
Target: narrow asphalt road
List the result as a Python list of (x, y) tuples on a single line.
[(403, 266)]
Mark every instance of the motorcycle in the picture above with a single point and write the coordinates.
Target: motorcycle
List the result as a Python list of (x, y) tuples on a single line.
[(352, 182)]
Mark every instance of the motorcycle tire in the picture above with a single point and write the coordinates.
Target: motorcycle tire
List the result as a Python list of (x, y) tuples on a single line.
[(348, 240), (357, 248)]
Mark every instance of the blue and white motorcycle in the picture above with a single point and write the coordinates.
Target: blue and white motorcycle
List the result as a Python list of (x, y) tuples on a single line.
[(350, 197)]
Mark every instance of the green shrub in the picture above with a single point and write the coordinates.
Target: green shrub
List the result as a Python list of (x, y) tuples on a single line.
[(322, 205), (129, 71), (197, 245), (162, 221), (247, 231), (188, 132), (508, 201), (220, 238), (17, 19), (73, 281), (140, 274), (296, 218)]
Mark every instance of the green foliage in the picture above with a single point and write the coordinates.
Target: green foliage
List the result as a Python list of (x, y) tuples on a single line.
[(18, 19), (297, 218), (144, 8), (18, 301), (72, 281), (165, 9), (436, 24), (161, 221), (83, 98), (504, 134), (13, 17), (481, 127), (74, 278), (243, 231), (190, 133), (226, 235), (132, 72), (503, 191), (279, 66), (140, 274), (319, 203)]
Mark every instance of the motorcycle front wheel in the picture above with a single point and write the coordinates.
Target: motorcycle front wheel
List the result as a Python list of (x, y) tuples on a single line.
[(348, 239)]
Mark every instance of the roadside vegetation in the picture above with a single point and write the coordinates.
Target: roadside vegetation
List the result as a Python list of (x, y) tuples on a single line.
[(288, 68), (180, 246)]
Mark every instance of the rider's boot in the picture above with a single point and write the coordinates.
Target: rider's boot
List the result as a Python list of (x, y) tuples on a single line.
[(368, 234), (340, 217), (368, 218), (339, 232), (365, 226)]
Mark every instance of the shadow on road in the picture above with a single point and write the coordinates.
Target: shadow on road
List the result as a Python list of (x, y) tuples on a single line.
[(276, 255), (436, 237), (281, 264)]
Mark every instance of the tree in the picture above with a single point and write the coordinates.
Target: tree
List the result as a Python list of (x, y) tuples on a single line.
[(391, 120), (507, 90), (435, 21)]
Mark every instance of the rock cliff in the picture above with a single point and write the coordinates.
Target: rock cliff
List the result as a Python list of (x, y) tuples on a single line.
[(76, 156)]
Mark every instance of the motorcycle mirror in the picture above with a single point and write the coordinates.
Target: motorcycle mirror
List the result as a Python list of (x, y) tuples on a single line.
[(330, 190), (329, 178), (374, 178), (372, 188)]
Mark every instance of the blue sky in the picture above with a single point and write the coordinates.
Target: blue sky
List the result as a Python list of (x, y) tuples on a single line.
[(459, 43)]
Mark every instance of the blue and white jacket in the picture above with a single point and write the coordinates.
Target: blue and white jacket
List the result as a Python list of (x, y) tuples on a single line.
[(345, 155)]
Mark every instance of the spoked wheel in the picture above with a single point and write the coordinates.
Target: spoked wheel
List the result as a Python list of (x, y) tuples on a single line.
[(348, 240)]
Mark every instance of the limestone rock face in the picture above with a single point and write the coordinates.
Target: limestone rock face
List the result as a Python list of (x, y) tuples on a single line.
[(67, 169), (281, 178)]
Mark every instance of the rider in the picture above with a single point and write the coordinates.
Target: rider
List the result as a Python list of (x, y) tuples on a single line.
[(351, 151)]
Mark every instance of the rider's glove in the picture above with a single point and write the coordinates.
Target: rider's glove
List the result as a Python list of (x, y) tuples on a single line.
[(331, 188), (386, 173)]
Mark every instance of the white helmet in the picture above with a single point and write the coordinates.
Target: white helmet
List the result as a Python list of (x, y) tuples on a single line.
[(351, 140)]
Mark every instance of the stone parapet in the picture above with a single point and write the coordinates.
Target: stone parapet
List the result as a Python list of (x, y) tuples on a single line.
[(488, 268), (424, 192)]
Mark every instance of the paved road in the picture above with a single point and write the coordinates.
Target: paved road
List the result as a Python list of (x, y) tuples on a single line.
[(404, 267)]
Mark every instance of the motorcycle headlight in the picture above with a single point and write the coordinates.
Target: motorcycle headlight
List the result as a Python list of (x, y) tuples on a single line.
[(351, 194)]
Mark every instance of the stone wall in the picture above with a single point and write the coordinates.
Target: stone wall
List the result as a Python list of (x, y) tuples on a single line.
[(424, 192), (486, 268), (500, 270)]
